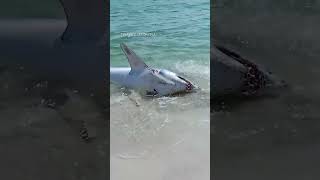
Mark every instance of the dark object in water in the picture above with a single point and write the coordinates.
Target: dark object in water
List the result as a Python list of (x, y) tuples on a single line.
[(234, 76), (87, 22), (78, 55)]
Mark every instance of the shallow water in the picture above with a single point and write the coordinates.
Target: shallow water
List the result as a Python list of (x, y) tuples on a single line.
[(167, 137)]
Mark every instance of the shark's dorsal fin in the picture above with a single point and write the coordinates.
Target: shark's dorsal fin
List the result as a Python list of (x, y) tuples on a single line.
[(136, 63)]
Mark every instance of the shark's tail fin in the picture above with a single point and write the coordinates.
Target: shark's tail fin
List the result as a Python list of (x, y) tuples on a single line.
[(87, 21)]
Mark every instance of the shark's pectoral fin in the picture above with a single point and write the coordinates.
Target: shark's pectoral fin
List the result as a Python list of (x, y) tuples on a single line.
[(136, 63)]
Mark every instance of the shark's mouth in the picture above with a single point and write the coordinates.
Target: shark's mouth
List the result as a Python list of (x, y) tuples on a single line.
[(189, 85), (255, 80)]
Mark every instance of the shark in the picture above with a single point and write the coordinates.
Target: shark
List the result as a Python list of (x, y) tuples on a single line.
[(147, 80), (233, 74)]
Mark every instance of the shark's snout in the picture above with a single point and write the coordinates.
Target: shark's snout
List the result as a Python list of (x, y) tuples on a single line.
[(188, 85)]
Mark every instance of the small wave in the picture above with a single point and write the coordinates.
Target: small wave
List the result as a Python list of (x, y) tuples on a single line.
[(194, 68)]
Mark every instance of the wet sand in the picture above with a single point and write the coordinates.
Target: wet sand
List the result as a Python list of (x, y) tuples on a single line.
[(42, 141), (271, 138), (158, 148), (161, 138), (40, 128)]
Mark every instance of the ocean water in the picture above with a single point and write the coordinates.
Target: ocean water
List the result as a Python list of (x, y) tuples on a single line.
[(167, 137)]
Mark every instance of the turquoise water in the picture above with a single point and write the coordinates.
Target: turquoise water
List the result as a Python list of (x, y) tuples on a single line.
[(166, 137), (179, 32)]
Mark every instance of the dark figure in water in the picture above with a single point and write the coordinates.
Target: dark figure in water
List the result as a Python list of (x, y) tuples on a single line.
[(64, 62), (73, 52), (236, 78)]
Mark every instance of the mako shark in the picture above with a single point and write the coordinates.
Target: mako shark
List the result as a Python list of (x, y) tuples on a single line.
[(232, 74), (149, 81)]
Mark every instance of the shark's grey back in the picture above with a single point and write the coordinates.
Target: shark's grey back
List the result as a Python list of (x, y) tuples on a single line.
[(233, 74), (227, 75)]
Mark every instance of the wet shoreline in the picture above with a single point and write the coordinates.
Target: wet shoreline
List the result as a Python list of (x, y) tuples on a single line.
[(275, 135)]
